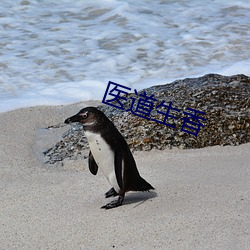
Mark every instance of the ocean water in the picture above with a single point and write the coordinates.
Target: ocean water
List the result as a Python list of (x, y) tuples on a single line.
[(61, 52)]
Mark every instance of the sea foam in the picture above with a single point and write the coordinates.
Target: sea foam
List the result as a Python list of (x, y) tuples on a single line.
[(62, 52)]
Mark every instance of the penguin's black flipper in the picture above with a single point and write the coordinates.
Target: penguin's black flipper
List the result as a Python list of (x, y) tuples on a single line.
[(118, 166), (93, 167), (111, 193)]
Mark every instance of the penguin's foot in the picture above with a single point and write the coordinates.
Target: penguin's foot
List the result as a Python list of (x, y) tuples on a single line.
[(111, 193), (113, 204)]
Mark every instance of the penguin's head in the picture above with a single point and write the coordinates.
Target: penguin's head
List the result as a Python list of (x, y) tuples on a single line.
[(88, 117)]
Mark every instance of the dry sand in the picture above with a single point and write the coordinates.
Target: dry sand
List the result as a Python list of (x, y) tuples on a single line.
[(201, 201)]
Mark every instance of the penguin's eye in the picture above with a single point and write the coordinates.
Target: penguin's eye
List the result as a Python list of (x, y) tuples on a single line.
[(84, 115)]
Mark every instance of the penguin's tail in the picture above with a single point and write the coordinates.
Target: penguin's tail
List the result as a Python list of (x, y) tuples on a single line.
[(141, 185)]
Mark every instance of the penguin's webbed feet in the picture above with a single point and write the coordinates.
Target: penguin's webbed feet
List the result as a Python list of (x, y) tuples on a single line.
[(111, 193), (113, 204)]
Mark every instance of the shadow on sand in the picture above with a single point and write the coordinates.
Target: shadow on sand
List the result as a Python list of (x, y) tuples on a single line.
[(138, 198)]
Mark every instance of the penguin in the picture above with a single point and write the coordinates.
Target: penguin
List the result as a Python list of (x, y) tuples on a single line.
[(110, 152)]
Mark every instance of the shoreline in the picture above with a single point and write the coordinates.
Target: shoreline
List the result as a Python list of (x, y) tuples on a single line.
[(201, 198)]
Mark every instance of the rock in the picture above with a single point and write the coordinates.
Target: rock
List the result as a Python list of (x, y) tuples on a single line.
[(225, 100)]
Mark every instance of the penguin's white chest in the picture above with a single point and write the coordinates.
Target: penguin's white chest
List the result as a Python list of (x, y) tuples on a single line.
[(104, 157)]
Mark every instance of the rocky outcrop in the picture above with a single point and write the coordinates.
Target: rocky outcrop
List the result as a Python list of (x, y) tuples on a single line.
[(224, 100)]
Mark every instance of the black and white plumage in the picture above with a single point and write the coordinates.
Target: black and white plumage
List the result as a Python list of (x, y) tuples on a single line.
[(110, 152)]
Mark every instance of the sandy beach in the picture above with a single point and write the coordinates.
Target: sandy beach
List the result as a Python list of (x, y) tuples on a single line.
[(201, 198)]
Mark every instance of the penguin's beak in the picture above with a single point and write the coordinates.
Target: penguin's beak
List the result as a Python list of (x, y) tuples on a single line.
[(74, 118)]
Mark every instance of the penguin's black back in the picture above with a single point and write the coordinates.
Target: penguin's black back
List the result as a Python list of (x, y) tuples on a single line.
[(131, 179)]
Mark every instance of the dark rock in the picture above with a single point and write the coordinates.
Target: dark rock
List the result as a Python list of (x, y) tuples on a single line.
[(225, 100)]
